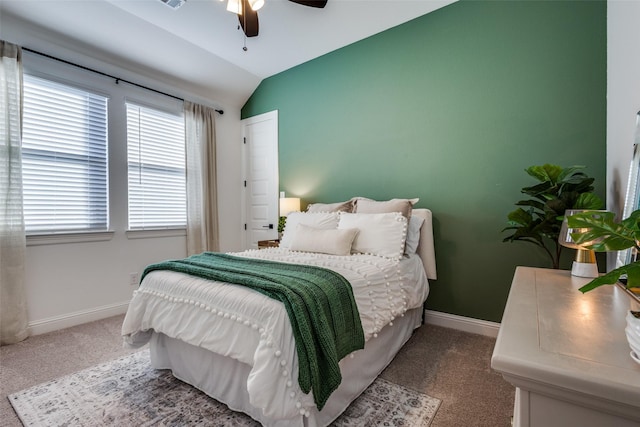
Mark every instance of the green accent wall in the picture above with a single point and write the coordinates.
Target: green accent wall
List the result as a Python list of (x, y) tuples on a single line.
[(450, 107)]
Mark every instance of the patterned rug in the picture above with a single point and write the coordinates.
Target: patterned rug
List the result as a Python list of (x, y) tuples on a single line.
[(128, 392)]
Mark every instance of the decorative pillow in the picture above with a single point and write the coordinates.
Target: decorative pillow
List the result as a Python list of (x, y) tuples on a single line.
[(413, 235), (354, 200), (332, 242), (324, 220), (331, 207), (381, 234), (403, 206)]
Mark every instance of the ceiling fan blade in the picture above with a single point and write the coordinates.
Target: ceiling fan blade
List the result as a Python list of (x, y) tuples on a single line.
[(249, 20), (311, 3)]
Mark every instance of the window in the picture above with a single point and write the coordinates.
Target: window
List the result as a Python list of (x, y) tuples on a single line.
[(156, 169), (64, 158)]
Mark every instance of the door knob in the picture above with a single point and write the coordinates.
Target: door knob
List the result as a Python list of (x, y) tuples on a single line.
[(270, 226)]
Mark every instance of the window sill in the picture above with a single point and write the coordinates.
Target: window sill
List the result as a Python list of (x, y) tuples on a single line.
[(156, 233), (61, 238)]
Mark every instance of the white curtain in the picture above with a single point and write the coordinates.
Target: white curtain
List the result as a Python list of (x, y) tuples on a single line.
[(202, 194), (13, 305)]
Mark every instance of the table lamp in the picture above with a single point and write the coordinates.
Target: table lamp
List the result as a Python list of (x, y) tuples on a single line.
[(585, 262), (288, 205)]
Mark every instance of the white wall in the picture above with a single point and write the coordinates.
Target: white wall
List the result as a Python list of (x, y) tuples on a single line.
[(623, 94), (72, 283)]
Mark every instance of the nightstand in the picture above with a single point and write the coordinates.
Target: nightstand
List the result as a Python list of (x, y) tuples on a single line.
[(566, 353), (263, 244)]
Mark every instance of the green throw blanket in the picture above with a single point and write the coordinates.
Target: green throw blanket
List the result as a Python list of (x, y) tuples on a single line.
[(320, 304)]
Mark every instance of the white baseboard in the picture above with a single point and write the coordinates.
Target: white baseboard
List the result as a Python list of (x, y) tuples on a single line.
[(461, 323), (38, 327)]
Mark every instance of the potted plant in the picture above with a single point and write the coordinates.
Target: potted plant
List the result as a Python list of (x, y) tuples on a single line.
[(600, 232), (282, 221), (540, 217)]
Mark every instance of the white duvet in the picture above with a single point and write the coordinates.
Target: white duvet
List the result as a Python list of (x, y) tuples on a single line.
[(237, 322)]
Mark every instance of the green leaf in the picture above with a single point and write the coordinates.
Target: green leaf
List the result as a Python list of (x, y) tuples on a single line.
[(633, 275), (555, 207), (600, 232), (631, 270), (520, 216), (539, 172), (572, 174), (533, 203), (607, 279), (582, 185), (588, 201), (541, 190), (553, 172), (632, 222)]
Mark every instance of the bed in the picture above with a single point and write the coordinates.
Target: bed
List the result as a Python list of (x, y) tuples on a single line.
[(237, 345)]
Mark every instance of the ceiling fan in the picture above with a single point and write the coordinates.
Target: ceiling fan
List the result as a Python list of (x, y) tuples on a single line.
[(247, 11)]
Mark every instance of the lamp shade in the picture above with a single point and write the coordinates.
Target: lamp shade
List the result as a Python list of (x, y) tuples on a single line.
[(564, 238), (288, 205)]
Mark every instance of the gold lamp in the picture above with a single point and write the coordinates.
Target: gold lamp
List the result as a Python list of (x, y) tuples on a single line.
[(585, 262)]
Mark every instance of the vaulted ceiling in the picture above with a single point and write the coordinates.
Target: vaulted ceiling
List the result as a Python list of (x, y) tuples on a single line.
[(199, 44)]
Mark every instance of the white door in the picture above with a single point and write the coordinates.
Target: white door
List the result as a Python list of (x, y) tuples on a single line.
[(260, 159)]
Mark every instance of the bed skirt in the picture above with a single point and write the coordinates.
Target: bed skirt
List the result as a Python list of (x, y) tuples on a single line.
[(225, 379)]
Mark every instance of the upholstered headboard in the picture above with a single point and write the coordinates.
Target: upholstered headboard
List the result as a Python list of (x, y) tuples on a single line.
[(425, 247)]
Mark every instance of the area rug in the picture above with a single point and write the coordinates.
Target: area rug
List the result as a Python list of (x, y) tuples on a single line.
[(129, 392)]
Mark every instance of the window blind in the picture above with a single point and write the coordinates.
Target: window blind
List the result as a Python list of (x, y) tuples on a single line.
[(156, 169), (64, 158)]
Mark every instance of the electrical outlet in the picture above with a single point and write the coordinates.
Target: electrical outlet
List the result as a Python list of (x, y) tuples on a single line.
[(134, 279)]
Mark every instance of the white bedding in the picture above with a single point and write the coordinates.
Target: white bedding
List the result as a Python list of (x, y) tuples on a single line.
[(247, 326)]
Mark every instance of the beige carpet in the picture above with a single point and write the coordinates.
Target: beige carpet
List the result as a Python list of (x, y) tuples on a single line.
[(449, 365)]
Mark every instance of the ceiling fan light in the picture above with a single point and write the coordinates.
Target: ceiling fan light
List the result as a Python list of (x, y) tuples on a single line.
[(235, 6), (256, 4)]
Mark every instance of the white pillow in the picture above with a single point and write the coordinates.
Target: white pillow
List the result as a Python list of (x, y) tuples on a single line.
[(332, 242), (413, 235), (381, 234), (322, 220)]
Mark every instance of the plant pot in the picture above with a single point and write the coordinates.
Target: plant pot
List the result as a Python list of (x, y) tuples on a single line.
[(633, 334)]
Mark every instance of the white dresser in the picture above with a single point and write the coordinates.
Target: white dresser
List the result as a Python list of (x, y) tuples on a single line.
[(566, 352)]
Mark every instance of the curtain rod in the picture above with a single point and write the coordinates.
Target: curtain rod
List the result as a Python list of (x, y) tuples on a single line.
[(117, 79)]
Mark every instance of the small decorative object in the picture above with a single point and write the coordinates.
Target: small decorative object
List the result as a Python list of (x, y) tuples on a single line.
[(539, 218), (585, 262)]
